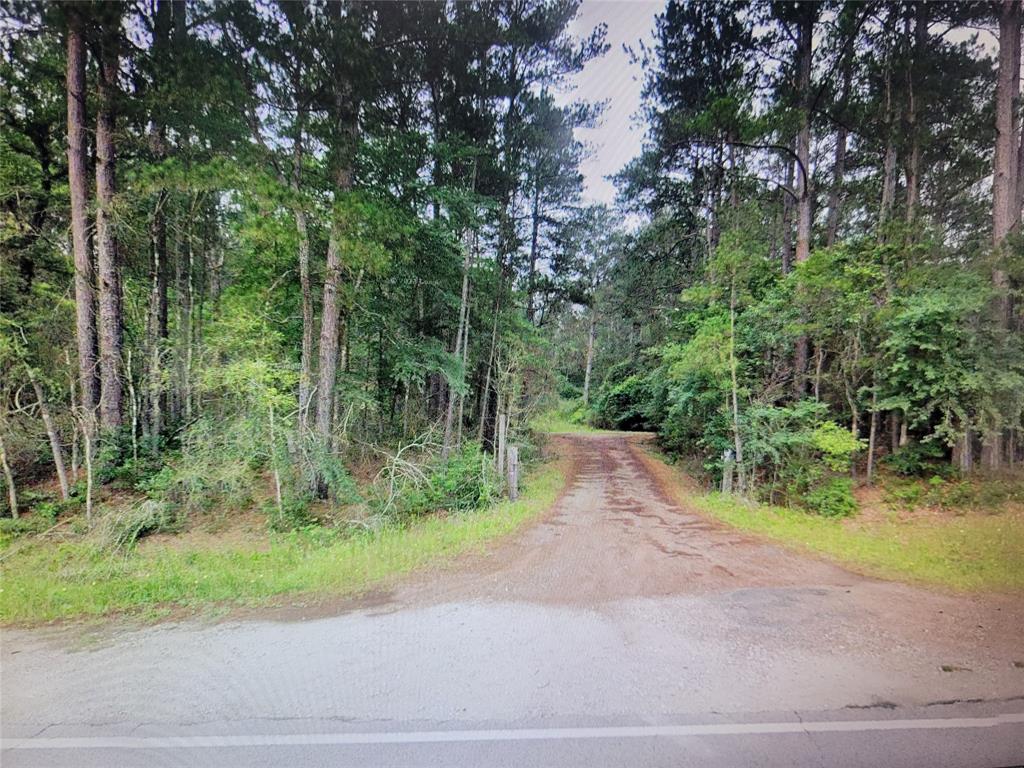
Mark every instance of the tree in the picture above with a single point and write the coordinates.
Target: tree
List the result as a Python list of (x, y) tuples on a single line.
[(85, 296), (110, 330)]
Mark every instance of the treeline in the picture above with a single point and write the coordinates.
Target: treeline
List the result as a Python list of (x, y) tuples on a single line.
[(829, 272), (278, 239)]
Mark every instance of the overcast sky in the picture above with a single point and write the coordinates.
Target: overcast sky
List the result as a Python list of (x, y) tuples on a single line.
[(617, 139)]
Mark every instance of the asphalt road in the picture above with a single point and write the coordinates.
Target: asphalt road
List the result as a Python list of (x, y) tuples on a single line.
[(619, 631)]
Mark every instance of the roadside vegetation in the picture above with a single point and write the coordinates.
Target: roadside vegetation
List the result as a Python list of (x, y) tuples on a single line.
[(568, 416), (965, 535), (78, 575)]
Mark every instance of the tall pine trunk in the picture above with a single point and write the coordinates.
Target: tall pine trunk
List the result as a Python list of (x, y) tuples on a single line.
[(156, 316), (85, 291), (803, 152), (1004, 185), (305, 283), (111, 327), (534, 235), (591, 332), (345, 138), (914, 75), (449, 415), (1005, 163), (835, 197)]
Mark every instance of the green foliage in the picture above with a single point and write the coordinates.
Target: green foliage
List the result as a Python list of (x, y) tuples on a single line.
[(463, 482), (934, 361), (623, 400), (832, 498), (11, 527), (119, 529), (795, 451), (917, 459), (836, 445), (293, 515)]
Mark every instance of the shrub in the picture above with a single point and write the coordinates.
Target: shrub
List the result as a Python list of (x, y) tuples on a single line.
[(918, 460), (12, 527), (294, 514), (119, 529), (833, 498), (904, 495), (623, 400), (463, 482)]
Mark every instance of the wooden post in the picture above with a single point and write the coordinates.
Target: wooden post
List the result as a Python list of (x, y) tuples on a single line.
[(728, 464), (513, 472)]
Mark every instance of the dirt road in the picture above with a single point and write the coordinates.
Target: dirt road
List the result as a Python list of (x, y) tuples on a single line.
[(616, 534), (619, 630)]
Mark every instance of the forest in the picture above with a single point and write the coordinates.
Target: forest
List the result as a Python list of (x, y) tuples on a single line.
[(328, 260)]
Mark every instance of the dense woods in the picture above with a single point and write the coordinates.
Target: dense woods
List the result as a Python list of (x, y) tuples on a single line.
[(251, 249), (827, 274)]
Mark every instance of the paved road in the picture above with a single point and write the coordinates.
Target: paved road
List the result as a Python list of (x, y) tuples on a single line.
[(620, 631)]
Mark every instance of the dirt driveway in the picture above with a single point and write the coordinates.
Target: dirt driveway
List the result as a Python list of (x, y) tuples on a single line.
[(616, 535)]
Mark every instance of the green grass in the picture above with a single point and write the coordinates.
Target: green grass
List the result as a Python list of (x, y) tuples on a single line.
[(46, 581), (563, 418), (970, 552), (967, 552)]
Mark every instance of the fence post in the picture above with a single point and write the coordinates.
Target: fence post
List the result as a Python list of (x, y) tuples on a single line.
[(727, 467), (513, 472)]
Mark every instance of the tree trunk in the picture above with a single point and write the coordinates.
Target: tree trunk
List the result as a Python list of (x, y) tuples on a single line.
[(449, 415), (1004, 181), (835, 196), (787, 217), (185, 304), (1018, 208), (590, 356), (53, 435), (803, 137), (328, 361), (156, 318), (889, 159), (737, 437), (1004, 185), (872, 436), (534, 235), (331, 311), (12, 491), (111, 320), (306, 360), (85, 292), (803, 152), (914, 74)]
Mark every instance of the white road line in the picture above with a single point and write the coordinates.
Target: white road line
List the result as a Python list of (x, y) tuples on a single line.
[(512, 734)]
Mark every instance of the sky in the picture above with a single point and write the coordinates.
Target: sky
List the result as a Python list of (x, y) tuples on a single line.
[(617, 139)]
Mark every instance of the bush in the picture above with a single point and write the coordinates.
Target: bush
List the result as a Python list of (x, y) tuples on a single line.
[(12, 527), (918, 460), (119, 529), (623, 400), (463, 482), (904, 495), (833, 498), (293, 515)]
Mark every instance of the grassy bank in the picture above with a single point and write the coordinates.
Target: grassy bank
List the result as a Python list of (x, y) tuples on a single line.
[(567, 417), (47, 580), (969, 551)]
